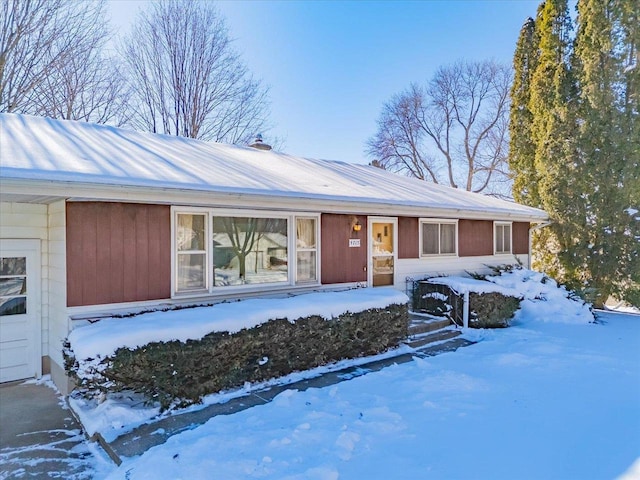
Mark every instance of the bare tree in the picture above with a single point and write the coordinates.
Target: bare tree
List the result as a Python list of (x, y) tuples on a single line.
[(187, 79), (88, 86), (41, 43), (454, 131)]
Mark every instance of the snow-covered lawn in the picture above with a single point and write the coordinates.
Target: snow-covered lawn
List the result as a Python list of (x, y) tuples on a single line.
[(538, 400)]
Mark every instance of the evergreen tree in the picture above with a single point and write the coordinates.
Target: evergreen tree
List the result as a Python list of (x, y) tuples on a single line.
[(521, 145), (578, 145), (553, 107), (604, 145)]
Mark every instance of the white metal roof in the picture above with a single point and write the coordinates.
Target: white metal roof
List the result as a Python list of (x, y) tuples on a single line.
[(38, 148)]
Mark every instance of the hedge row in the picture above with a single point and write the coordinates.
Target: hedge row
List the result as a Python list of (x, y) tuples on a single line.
[(181, 373)]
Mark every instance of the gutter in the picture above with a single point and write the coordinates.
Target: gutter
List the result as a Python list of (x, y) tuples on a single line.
[(531, 230), (85, 191)]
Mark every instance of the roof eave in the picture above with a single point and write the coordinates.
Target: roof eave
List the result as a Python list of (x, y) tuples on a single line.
[(85, 191)]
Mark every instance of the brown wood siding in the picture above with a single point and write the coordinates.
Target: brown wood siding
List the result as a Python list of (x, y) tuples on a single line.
[(475, 238), (408, 237), (520, 236), (339, 262), (117, 252)]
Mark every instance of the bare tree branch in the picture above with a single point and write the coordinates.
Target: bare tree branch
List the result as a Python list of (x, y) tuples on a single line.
[(457, 124), (187, 79), (50, 61)]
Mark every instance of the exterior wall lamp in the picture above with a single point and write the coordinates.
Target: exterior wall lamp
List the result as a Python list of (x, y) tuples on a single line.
[(356, 225)]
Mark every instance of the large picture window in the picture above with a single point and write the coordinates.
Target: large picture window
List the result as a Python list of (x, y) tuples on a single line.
[(438, 237), (502, 237), (248, 250), (216, 250)]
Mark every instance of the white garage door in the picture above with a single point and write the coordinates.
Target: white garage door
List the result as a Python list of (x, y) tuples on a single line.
[(20, 324)]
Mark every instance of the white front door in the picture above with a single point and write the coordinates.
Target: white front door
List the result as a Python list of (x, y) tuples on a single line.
[(20, 317), (382, 250)]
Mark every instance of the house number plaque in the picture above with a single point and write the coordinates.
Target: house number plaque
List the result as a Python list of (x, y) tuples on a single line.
[(354, 242)]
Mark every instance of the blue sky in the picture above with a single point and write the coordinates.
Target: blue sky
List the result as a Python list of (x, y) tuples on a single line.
[(331, 65)]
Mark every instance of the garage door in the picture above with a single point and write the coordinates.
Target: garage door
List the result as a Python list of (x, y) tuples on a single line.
[(20, 324)]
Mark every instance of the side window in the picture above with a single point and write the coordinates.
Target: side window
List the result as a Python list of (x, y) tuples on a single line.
[(502, 235), (191, 252), (438, 238), (306, 250)]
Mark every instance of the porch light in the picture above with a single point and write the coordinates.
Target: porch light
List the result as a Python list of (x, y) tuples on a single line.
[(356, 225)]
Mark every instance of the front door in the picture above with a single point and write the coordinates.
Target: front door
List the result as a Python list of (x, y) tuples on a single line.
[(20, 324), (382, 248)]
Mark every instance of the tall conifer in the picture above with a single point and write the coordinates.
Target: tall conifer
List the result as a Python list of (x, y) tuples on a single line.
[(584, 104), (552, 104), (522, 147)]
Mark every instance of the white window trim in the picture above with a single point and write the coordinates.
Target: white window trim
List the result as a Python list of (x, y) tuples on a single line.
[(438, 221), (315, 217), (230, 290), (495, 238), (175, 211)]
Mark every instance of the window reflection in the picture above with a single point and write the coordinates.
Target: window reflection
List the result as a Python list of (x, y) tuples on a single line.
[(248, 250)]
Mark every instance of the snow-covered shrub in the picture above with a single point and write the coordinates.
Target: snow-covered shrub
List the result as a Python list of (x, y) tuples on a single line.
[(491, 310), (542, 297), (179, 373), (511, 292)]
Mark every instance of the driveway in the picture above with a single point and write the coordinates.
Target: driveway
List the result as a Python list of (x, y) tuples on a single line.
[(39, 438)]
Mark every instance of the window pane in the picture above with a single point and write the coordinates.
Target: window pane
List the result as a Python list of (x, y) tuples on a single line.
[(382, 237), (13, 266), (190, 232), (13, 286), (447, 238), (499, 238), (250, 250), (13, 306), (507, 238), (430, 238), (191, 271), (306, 233), (306, 262)]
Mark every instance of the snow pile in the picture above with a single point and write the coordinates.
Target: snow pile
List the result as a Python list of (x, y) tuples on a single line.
[(103, 338), (542, 298), (463, 285)]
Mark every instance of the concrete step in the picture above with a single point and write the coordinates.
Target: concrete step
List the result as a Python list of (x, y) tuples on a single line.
[(421, 325), (448, 346), (438, 336)]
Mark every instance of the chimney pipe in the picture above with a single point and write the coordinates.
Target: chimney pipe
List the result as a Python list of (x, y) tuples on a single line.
[(259, 144)]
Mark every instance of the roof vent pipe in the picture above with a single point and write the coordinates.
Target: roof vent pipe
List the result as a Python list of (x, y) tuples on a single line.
[(259, 144)]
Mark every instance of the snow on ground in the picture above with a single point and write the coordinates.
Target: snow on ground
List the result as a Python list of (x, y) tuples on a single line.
[(119, 413), (537, 400), (103, 338), (549, 397)]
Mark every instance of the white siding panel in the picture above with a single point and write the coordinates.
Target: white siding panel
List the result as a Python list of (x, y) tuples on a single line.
[(418, 268), (58, 315)]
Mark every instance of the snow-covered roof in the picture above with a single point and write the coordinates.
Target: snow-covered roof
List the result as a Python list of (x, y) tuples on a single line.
[(38, 148)]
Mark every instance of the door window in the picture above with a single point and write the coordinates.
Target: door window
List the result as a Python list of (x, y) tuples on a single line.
[(13, 286), (382, 253)]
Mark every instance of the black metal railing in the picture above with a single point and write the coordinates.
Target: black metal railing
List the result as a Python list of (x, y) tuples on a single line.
[(435, 299)]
